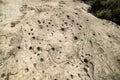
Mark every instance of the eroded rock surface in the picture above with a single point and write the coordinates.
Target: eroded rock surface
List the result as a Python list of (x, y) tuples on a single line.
[(57, 40)]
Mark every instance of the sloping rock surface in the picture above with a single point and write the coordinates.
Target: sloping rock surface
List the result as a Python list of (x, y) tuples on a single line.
[(56, 40)]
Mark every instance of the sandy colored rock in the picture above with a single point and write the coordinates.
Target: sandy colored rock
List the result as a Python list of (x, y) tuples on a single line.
[(56, 40)]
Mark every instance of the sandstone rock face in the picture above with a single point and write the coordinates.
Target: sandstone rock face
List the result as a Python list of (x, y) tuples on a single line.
[(56, 40)]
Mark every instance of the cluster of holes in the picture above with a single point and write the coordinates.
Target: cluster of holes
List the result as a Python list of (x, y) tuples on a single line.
[(41, 23), (45, 23), (69, 18)]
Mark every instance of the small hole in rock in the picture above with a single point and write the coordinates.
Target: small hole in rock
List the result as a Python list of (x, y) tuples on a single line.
[(94, 34), (77, 24), (32, 33), (80, 26), (53, 48), (68, 16), (30, 48), (41, 27), (26, 69), (75, 38), (38, 48), (78, 75), (34, 79), (13, 24), (72, 20), (41, 59), (33, 37), (31, 29), (66, 23), (19, 47), (16, 60), (49, 23), (39, 21), (2, 75), (67, 79), (47, 26), (30, 57), (38, 54), (76, 13), (28, 33), (34, 64), (62, 29), (85, 69), (109, 35), (71, 76), (85, 60)]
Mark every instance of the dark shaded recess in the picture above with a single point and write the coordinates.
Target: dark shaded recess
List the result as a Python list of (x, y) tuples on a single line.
[(49, 22), (93, 34), (75, 38), (76, 13), (32, 33), (13, 24), (78, 75), (60, 40), (67, 79), (39, 21), (38, 54), (118, 60), (34, 64), (41, 27), (71, 76), (16, 60), (7, 76), (65, 23), (30, 48), (80, 25), (72, 20), (48, 30), (1, 1), (2, 75), (68, 16), (30, 57), (85, 70), (62, 29), (109, 35), (53, 49), (28, 33), (43, 21), (33, 37), (19, 47), (81, 39), (77, 24), (85, 60), (38, 48), (31, 29), (41, 59), (84, 0), (33, 79), (47, 25), (33, 72), (26, 69)]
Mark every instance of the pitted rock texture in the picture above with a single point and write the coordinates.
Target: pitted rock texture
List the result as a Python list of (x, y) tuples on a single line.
[(57, 40)]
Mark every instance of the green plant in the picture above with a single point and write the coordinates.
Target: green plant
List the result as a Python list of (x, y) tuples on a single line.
[(106, 9)]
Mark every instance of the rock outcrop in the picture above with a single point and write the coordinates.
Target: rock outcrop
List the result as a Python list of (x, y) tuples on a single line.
[(56, 40)]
